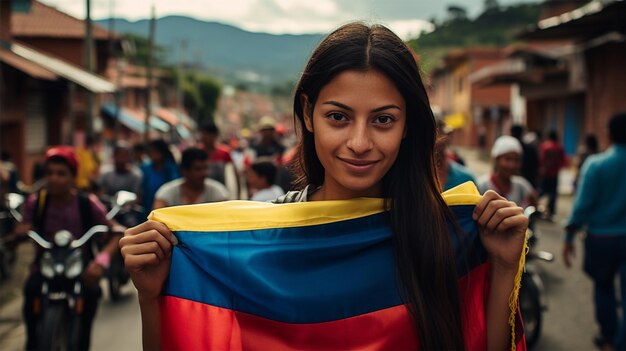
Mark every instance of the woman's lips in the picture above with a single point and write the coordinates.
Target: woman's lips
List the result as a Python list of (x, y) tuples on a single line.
[(357, 165)]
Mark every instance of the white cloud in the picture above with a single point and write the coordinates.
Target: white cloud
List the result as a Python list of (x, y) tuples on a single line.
[(405, 17), (407, 29)]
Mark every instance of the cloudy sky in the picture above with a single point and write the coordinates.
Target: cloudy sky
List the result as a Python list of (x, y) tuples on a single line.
[(405, 17)]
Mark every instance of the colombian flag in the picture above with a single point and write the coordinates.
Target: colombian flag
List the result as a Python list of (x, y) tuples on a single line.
[(305, 276)]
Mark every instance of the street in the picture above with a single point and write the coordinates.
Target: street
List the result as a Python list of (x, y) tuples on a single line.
[(568, 323)]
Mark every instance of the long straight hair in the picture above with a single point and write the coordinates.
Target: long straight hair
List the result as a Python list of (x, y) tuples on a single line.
[(423, 250)]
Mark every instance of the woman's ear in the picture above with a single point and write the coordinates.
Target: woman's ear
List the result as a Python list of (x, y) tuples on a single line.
[(306, 110)]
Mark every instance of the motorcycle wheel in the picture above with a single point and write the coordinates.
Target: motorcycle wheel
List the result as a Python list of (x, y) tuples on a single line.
[(54, 328), (531, 310)]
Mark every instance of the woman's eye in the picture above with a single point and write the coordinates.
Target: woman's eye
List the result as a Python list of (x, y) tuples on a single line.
[(337, 117), (383, 119)]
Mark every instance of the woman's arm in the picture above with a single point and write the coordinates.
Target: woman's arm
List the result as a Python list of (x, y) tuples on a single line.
[(150, 323), (502, 227), (502, 283), (147, 249)]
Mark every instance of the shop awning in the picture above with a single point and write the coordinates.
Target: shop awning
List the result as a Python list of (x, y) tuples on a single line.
[(134, 120), (167, 115), (87, 80), (30, 68)]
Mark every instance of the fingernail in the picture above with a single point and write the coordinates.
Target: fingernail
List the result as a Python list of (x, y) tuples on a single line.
[(174, 240)]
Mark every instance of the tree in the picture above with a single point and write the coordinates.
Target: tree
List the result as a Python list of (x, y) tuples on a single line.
[(138, 54), (209, 91), (200, 96), (491, 5), (456, 12)]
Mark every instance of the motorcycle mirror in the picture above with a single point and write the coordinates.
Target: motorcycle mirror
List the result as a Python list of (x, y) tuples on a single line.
[(124, 197), (529, 211), (14, 201)]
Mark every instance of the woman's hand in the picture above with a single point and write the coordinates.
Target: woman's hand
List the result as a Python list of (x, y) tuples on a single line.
[(147, 250), (502, 227)]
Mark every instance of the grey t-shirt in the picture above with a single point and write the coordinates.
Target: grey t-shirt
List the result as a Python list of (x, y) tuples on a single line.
[(520, 189), (170, 192), (112, 181)]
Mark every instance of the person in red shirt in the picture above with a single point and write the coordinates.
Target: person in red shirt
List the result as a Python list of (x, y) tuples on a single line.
[(551, 160), (221, 167)]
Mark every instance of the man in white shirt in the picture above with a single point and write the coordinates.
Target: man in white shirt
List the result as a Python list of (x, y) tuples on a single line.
[(194, 187)]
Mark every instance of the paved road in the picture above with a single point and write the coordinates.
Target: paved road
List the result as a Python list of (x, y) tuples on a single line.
[(568, 323), (117, 325)]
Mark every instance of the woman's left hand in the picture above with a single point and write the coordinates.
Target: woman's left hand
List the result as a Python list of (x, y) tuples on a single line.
[(502, 227)]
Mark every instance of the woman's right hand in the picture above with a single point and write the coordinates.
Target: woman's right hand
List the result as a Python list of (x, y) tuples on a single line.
[(146, 250)]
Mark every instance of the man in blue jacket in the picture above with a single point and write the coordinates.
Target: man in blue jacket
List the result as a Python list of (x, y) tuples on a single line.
[(600, 207)]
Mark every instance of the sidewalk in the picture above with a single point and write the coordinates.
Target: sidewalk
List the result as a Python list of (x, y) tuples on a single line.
[(11, 325)]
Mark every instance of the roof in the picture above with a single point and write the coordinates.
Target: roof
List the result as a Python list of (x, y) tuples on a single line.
[(456, 57), (593, 19), (30, 68), (46, 21), (89, 81)]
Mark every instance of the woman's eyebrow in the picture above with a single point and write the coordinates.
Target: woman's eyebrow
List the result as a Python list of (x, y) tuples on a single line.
[(346, 107)]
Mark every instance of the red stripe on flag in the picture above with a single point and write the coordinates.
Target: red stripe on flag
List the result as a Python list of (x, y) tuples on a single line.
[(190, 325)]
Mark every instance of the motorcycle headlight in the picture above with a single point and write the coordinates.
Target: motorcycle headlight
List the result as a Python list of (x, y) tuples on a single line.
[(62, 238), (74, 265), (47, 265)]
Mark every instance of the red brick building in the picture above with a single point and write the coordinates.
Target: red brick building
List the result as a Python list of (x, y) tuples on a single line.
[(477, 112)]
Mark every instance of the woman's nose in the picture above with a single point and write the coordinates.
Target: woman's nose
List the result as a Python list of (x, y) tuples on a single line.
[(360, 141)]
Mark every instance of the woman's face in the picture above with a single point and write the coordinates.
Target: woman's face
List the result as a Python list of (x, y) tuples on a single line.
[(358, 124)]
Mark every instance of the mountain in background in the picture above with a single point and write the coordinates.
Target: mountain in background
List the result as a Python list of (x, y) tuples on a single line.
[(227, 52), (263, 60), (495, 27)]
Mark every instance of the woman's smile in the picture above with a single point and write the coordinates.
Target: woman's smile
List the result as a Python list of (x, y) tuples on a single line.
[(358, 165)]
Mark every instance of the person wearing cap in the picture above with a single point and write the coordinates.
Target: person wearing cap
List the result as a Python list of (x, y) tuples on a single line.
[(506, 154), (268, 146), (61, 206)]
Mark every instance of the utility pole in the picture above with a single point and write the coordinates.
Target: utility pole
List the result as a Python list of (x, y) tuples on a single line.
[(181, 75), (119, 71), (149, 78), (89, 65)]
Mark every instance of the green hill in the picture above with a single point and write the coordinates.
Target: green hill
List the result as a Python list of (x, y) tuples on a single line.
[(494, 27)]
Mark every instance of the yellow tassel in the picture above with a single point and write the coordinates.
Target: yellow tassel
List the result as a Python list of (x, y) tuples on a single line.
[(513, 299)]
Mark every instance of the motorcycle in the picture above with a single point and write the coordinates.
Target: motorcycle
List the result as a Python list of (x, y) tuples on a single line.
[(116, 274), (532, 297), (61, 265)]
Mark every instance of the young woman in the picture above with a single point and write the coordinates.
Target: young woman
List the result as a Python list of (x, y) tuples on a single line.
[(367, 131)]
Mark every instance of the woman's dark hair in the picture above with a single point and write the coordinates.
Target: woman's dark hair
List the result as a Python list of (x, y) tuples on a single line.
[(160, 146), (192, 155), (418, 213)]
